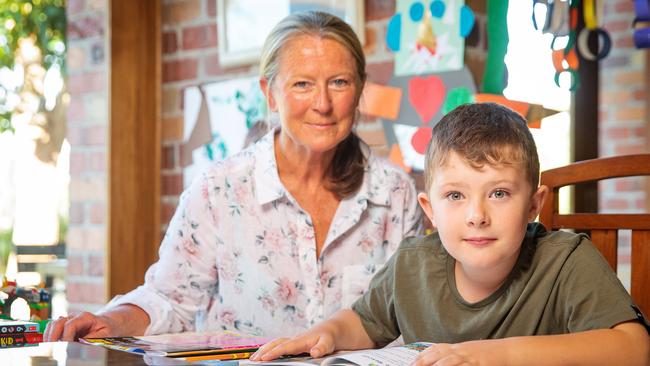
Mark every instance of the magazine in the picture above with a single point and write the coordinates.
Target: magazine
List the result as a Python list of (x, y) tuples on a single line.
[(390, 356), (184, 344)]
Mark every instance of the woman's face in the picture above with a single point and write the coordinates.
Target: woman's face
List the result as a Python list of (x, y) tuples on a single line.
[(315, 93)]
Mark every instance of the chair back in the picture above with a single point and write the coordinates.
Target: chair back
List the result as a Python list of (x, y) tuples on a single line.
[(603, 227)]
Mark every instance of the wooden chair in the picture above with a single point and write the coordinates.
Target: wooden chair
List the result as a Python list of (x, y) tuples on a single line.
[(604, 227)]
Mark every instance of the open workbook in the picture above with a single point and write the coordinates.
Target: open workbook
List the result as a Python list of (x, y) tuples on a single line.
[(184, 344), (390, 356)]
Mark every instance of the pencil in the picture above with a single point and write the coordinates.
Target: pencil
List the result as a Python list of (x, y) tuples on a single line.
[(227, 356)]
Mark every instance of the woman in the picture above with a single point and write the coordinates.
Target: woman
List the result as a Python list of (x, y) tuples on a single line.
[(283, 234)]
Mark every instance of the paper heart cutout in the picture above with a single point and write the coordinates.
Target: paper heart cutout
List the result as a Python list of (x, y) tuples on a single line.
[(421, 139), (426, 95)]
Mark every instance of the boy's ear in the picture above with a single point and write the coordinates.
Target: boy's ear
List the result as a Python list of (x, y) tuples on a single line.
[(537, 201), (266, 89), (423, 200)]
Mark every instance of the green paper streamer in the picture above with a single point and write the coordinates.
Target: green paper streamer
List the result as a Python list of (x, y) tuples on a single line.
[(497, 33)]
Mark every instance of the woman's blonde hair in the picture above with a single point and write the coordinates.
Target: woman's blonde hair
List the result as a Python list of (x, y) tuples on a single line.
[(345, 174)]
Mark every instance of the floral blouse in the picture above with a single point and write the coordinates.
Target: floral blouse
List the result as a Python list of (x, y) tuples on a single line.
[(241, 253)]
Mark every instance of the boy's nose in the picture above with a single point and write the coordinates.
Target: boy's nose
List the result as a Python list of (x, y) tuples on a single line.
[(477, 216)]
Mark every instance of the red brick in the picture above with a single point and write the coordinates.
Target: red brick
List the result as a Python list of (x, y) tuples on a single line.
[(73, 7), (73, 134), (166, 212), (171, 100), (85, 292), (96, 265), (97, 213), (630, 114), (97, 161), (614, 97), (86, 82), (617, 204), (172, 129), (180, 11), (77, 162), (172, 184), (379, 9), (624, 7), (617, 132), (212, 67), (628, 185), (629, 77), (76, 109), (178, 70), (86, 27), (629, 149), (75, 265), (203, 36), (212, 9), (168, 157), (380, 73), (169, 42), (640, 131), (76, 213), (95, 135), (618, 25), (639, 94), (624, 42)]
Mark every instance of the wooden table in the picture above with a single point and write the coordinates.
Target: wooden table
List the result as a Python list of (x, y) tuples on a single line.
[(76, 354)]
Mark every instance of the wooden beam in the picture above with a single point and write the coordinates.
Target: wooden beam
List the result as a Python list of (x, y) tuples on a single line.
[(134, 153)]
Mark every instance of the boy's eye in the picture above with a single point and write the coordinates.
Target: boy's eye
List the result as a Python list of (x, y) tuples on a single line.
[(500, 193), (454, 196)]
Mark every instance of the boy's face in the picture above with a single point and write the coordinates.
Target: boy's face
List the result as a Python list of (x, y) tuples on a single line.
[(481, 214)]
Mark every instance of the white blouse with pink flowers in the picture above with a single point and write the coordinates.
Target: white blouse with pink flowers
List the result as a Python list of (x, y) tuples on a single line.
[(241, 252)]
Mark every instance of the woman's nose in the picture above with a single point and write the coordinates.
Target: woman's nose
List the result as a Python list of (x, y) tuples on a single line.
[(477, 215), (323, 101)]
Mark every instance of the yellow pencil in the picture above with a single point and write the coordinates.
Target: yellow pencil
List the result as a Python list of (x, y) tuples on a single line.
[(226, 356)]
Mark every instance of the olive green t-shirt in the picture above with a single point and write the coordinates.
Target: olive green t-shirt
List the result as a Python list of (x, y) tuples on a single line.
[(560, 284)]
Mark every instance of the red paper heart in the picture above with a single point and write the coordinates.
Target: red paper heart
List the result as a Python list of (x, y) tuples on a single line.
[(421, 139), (426, 96)]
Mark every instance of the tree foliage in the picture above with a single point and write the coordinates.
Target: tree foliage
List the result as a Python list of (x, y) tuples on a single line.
[(45, 21)]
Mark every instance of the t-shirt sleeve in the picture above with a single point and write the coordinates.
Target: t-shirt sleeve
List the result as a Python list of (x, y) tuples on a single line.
[(595, 297), (376, 307)]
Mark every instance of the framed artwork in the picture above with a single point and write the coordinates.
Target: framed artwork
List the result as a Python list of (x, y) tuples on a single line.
[(244, 24)]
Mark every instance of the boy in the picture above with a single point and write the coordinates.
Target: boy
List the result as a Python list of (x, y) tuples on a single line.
[(488, 280)]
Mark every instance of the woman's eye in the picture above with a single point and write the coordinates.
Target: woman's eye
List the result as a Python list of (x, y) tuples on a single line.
[(454, 196), (300, 84), (500, 194), (340, 82)]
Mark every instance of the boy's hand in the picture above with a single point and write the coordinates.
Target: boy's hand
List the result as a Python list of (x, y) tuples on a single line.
[(466, 353), (317, 342)]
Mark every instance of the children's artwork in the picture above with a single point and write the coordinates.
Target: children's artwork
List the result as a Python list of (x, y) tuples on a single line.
[(217, 119), (430, 96), (428, 36)]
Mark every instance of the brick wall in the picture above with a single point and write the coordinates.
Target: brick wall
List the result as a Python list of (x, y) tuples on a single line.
[(88, 136), (622, 109)]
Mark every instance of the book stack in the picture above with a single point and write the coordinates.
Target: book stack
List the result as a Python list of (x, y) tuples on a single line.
[(15, 333)]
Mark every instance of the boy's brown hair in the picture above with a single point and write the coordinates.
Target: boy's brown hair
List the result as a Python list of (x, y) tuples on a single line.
[(483, 133)]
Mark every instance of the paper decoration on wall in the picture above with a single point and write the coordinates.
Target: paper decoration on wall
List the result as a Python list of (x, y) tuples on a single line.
[(426, 95), (395, 156), (532, 112), (224, 111), (494, 80), (450, 81), (428, 36), (380, 101), (403, 134)]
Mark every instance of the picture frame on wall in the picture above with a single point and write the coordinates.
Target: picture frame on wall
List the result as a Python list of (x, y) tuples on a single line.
[(242, 25)]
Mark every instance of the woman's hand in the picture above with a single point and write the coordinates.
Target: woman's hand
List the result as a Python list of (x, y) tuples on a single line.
[(318, 342), (123, 320), (83, 325)]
